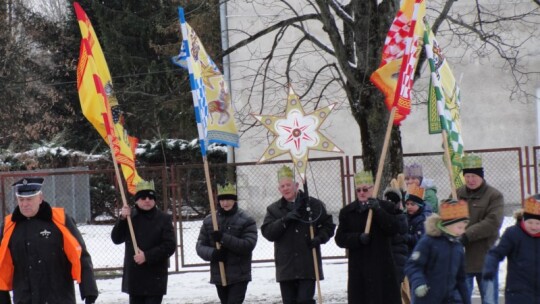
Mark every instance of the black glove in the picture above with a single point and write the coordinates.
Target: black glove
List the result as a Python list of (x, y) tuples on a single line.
[(488, 276), (217, 235), (373, 203), (314, 242), (219, 255), (464, 240), (365, 238), (291, 216), (90, 299)]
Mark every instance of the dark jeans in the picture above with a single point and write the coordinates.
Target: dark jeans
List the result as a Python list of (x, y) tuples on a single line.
[(297, 291), (145, 299), (489, 290), (232, 294)]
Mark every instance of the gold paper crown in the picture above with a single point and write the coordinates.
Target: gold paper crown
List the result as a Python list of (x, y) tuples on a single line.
[(144, 185), (416, 191), (532, 205), (227, 189), (363, 178), (471, 161), (451, 209), (414, 170), (285, 172)]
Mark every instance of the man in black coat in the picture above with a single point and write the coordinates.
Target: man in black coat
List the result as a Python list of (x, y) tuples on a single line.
[(42, 252), (372, 275), (237, 236), (287, 224), (145, 271)]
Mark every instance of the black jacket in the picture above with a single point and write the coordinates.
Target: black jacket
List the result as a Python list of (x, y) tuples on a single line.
[(293, 257), (372, 273), (155, 236), (239, 239), (42, 270)]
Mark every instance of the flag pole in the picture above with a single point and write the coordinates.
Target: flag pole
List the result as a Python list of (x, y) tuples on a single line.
[(313, 250), (449, 163), (214, 217), (381, 166), (107, 119)]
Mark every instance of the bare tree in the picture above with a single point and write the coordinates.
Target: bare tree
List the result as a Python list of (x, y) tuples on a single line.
[(329, 49)]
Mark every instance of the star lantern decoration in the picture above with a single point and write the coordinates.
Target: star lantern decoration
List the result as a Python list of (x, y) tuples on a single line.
[(296, 133)]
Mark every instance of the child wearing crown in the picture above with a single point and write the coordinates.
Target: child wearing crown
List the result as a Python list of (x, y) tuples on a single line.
[(436, 267), (521, 245)]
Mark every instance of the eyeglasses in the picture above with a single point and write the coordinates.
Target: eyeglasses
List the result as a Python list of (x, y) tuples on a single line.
[(365, 189)]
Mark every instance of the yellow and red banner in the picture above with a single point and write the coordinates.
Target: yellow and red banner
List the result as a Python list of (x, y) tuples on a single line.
[(402, 46), (98, 102)]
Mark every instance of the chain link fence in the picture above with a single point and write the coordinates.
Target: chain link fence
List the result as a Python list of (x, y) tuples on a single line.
[(91, 196)]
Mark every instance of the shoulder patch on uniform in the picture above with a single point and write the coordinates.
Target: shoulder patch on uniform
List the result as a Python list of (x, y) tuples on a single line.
[(415, 255)]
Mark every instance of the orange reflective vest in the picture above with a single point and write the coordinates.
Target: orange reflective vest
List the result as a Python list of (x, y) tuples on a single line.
[(72, 249)]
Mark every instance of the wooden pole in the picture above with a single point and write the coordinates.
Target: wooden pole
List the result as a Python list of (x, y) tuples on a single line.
[(381, 165), (313, 250), (214, 217), (449, 164), (122, 194)]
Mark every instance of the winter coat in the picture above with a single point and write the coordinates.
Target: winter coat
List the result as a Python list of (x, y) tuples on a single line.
[(438, 262), (239, 239), (372, 276), (400, 250), (42, 272), (293, 257), (523, 274), (155, 236), (486, 206), (416, 227)]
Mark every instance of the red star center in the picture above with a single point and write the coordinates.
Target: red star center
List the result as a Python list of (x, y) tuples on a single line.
[(296, 133)]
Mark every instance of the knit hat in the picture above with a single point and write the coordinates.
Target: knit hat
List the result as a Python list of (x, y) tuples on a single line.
[(363, 178), (415, 194), (531, 208), (472, 163), (285, 172), (414, 170), (28, 186), (227, 192), (392, 194), (145, 189), (452, 211)]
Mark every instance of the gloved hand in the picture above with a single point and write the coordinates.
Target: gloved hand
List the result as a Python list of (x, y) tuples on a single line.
[(219, 255), (217, 235), (365, 238), (373, 203), (90, 299), (488, 275), (464, 240), (314, 242), (291, 216), (421, 291)]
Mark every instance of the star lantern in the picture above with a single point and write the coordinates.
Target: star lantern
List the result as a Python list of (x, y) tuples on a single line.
[(296, 133)]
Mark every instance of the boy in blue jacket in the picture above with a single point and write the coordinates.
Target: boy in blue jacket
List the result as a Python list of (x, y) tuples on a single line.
[(436, 267), (521, 244)]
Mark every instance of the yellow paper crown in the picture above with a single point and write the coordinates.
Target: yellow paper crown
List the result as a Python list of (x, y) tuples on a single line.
[(451, 209), (144, 185), (532, 205), (363, 178), (471, 161), (285, 172), (227, 189), (416, 191)]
